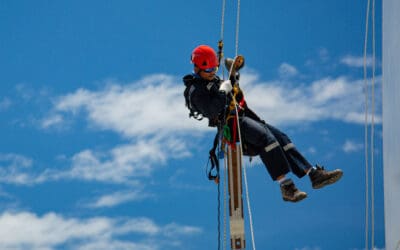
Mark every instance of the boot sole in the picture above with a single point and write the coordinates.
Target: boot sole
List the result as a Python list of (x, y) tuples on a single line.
[(299, 198), (329, 181)]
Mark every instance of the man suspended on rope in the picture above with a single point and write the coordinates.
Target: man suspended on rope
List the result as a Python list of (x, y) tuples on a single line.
[(207, 96)]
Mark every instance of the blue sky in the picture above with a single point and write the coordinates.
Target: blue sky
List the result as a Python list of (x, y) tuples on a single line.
[(97, 150)]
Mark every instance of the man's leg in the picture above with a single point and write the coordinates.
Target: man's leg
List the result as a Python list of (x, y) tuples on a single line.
[(300, 166), (272, 155), (264, 141)]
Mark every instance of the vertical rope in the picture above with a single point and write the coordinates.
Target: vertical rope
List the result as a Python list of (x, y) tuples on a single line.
[(371, 149), (225, 206), (222, 20), (366, 131), (219, 216), (237, 28), (373, 130), (220, 44), (225, 165), (248, 206), (245, 176)]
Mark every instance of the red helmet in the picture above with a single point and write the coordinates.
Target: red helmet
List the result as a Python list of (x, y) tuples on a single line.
[(204, 57)]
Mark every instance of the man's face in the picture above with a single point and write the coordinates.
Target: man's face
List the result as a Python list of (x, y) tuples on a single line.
[(206, 74)]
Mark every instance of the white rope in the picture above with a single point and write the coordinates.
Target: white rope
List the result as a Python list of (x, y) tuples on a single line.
[(221, 40), (225, 207), (371, 149), (373, 131), (244, 172), (237, 28), (366, 131), (225, 165), (224, 242), (222, 20), (248, 206)]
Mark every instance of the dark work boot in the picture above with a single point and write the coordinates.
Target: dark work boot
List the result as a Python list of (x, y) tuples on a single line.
[(290, 192), (320, 177)]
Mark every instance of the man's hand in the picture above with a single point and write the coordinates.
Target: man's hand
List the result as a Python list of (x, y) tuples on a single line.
[(226, 86)]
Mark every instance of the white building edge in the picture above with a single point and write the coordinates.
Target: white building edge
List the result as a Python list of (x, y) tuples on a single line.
[(391, 121)]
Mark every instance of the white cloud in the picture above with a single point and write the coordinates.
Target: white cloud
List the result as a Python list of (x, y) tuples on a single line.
[(325, 99), (356, 61), (18, 169), (151, 113), (153, 105), (327, 89), (118, 198), (286, 70), (15, 160), (102, 244), (123, 164), (25, 230), (15, 168), (321, 59), (351, 146), (52, 120)]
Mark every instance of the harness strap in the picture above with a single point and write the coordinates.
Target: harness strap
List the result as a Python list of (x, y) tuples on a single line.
[(214, 161)]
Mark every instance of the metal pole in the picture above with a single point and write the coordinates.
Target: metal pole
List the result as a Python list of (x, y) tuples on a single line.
[(236, 220)]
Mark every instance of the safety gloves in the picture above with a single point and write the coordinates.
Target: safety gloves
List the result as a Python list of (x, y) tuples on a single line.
[(226, 86)]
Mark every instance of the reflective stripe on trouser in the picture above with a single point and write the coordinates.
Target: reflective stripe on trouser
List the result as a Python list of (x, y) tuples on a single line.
[(269, 148), (297, 162), (276, 150), (275, 162)]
